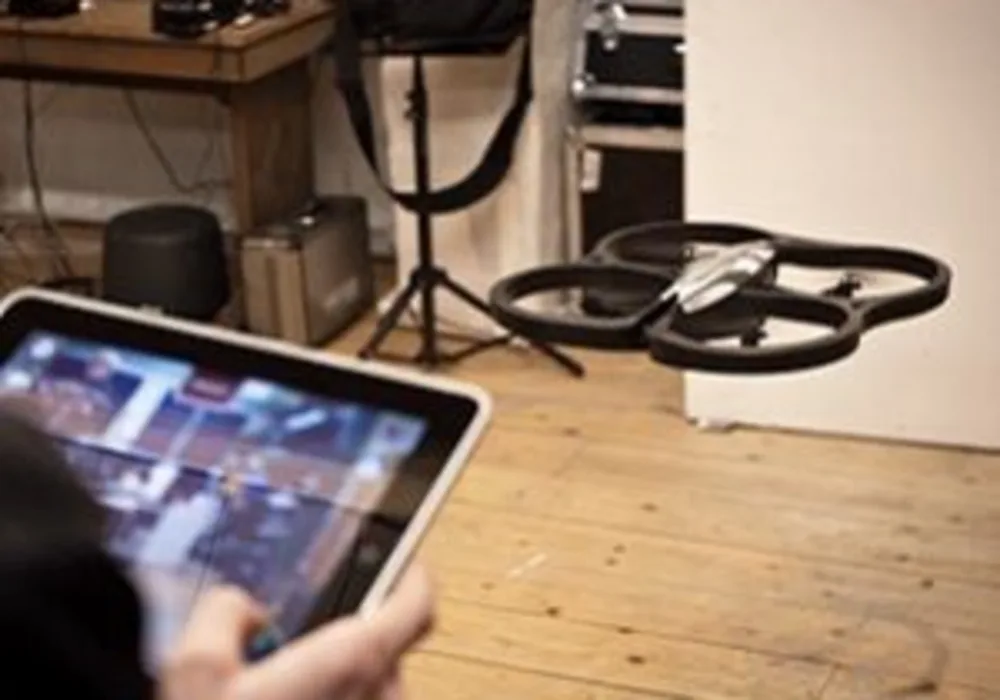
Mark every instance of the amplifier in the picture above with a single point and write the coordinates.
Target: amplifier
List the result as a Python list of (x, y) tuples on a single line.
[(629, 63), (307, 279), (599, 159)]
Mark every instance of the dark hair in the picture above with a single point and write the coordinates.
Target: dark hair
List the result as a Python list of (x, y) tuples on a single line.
[(71, 620), (43, 505)]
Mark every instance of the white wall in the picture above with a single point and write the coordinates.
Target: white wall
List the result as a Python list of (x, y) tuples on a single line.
[(94, 162), (872, 120)]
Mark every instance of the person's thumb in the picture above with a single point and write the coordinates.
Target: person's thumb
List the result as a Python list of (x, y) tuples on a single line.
[(216, 636), (350, 657)]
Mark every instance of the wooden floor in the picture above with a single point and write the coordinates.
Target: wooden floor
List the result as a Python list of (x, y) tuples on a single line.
[(600, 547)]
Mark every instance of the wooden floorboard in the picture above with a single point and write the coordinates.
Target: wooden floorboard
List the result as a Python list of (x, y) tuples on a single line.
[(599, 546)]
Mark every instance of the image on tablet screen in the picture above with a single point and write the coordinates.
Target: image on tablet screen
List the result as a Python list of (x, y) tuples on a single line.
[(207, 478)]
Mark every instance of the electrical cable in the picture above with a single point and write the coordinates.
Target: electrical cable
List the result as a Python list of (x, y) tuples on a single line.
[(5, 283), (61, 266), (195, 187), (7, 233), (198, 185)]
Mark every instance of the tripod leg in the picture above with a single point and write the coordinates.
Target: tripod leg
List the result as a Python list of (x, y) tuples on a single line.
[(567, 362), (390, 319), (428, 355)]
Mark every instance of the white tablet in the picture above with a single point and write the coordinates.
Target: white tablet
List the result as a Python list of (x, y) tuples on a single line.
[(306, 478)]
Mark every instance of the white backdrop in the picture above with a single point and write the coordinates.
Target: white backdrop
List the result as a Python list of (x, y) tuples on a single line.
[(521, 224), (860, 120)]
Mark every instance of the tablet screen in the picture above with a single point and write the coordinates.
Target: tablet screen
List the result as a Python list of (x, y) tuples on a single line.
[(212, 476)]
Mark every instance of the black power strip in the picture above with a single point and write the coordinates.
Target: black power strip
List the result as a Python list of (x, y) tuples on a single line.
[(39, 8), (188, 19)]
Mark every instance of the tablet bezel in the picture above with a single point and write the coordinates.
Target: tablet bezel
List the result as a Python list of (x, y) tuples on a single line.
[(457, 412)]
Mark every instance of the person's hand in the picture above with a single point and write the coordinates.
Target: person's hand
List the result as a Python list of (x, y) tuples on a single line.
[(350, 659)]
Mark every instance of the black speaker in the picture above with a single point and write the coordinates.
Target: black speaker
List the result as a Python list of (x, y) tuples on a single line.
[(168, 257)]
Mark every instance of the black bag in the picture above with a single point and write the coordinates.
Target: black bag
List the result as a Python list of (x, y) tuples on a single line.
[(435, 27), (437, 20)]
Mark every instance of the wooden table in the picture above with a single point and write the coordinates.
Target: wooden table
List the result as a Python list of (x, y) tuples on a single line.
[(261, 72)]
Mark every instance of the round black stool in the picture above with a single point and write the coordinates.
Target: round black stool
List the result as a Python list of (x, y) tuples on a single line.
[(170, 257)]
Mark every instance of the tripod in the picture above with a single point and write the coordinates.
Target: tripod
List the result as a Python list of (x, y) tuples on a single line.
[(427, 277)]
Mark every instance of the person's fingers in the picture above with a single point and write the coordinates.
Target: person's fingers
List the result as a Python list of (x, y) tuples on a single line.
[(406, 616), (215, 638), (351, 656), (393, 688)]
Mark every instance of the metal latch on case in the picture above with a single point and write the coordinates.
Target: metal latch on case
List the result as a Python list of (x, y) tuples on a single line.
[(613, 15)]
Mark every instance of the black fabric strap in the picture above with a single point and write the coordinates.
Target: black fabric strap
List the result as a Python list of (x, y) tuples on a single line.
[(496, 160)]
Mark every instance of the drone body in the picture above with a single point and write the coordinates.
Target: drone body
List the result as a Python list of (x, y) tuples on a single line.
[(648, 288)]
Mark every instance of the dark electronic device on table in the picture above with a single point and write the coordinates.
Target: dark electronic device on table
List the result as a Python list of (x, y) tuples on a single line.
[(699, 296), (189, 19), (39, 8), (184, 19), (222, 458)]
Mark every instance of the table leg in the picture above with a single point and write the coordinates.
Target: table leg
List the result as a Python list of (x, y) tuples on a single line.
[(272, 146)]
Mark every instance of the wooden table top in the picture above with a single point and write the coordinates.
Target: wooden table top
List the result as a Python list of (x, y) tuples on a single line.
[(115, 38)]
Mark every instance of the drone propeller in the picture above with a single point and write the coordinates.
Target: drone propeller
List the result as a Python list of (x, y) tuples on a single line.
[(848, 283)]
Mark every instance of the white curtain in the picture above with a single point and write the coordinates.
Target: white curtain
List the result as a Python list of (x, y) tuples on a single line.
[(521, 224)]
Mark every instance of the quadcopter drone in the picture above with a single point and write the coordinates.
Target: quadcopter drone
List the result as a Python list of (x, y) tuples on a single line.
[(704, 296)]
